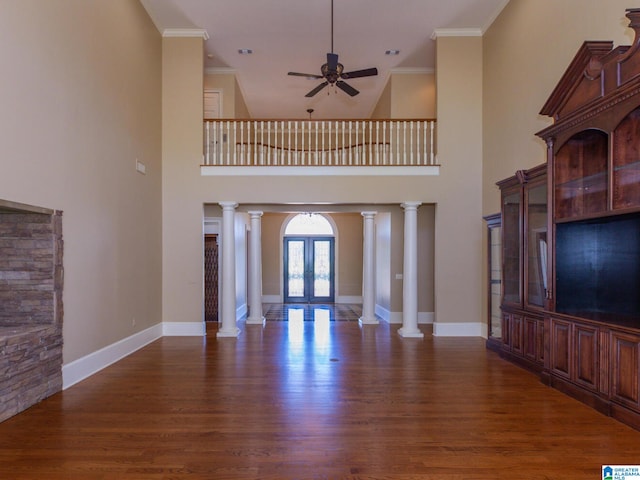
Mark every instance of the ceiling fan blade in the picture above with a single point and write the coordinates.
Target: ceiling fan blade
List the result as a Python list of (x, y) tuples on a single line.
[(317, 89), (332, 61), (306, 75), (348, 89), (367, 72)]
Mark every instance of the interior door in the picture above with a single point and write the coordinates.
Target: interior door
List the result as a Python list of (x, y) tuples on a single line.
[(308, 270), (211, 278)]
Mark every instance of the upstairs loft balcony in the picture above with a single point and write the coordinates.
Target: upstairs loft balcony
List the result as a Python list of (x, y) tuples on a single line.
[(320, 147)]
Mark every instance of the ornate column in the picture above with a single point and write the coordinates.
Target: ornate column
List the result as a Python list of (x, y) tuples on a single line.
[(368, 271), (255, 271), (228, 327), (410, 272)]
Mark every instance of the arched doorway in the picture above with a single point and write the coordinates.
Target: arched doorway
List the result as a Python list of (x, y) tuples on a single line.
[(309, 260)]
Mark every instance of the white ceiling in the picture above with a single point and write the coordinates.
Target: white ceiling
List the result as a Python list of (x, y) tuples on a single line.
[(295, 35)]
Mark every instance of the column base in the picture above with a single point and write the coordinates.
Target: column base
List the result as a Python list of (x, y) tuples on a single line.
[(410, 334), (368, 321), (228, 333), (255, 321)]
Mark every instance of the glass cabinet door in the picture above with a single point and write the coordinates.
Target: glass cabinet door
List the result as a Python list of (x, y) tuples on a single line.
[(626, 162), (581, 178), (494, 265), (511, 253), (536, 245)]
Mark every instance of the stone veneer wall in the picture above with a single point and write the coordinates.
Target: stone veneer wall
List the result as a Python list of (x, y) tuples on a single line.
[(31, 283)]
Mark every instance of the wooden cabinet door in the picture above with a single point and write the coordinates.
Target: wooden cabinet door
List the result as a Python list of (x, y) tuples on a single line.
[(586, 356), (561, 347), (625, 369), (516, 334), (542, 341), (506, 331), (530, 338)]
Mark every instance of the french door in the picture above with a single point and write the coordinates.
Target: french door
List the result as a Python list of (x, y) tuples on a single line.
[(308, 269)]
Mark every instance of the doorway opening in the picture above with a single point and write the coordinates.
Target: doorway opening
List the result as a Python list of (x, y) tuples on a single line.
[(210, 278), (309, 260)]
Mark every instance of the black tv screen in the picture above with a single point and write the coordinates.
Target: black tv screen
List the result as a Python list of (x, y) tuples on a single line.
[(598, 266)]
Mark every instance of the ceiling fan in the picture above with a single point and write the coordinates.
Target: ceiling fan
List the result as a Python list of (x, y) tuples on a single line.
[(333, 72)]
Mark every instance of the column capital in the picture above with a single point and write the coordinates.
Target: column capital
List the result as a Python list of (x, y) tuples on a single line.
[(228, 205), (255, 213), (368, 214), (410, 205)]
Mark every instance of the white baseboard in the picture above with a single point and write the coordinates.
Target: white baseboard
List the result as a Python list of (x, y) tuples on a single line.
[(349, 299), (457, 329), (183, 329), (396, 317), (86, 366), (271, 299)]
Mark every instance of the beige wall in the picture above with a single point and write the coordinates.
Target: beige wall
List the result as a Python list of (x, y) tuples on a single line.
[(233, 104), (407, 95), (459, 234), (182, 104), (382, 108), (81, 101), (272, 253), (413, 95), (226, 83), (241, 110), (348, 254)]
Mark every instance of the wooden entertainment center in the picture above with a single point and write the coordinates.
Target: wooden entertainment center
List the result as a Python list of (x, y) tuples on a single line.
[(570, 244)]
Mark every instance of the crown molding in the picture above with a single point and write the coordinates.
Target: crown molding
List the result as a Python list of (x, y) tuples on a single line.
[(186, 32), (456, 32)]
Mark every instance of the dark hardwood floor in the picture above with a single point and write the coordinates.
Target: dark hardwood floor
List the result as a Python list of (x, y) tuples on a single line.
[(313, 400)]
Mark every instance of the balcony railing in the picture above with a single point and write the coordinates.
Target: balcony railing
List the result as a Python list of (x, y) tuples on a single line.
[(319, 143)]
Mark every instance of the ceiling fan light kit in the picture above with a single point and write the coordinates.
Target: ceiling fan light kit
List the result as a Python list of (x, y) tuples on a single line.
[(333, 72)]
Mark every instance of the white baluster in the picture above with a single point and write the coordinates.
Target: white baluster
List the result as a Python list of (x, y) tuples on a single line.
[(329, 149), (338, 144), (350, 144), (397, 160), (383, 145), (431, 157), (411, 142), (404, 142), (322, 152), (228, 142), (206, 142), (355, 146), (369, 160)]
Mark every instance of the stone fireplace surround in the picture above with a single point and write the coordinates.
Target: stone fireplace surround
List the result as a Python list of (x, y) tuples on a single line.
[(31, 284)]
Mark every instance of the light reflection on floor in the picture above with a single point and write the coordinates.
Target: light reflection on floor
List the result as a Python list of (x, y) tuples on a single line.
[(320, 315), (312, 312)]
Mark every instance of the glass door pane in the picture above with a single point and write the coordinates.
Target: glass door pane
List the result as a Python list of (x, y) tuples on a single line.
[(511, 248), (295, 268), (321, 268), (536, 245), (495, 281), (308, 270)]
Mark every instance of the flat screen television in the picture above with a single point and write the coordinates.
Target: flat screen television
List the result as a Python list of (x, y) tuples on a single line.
[(598, 267)]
